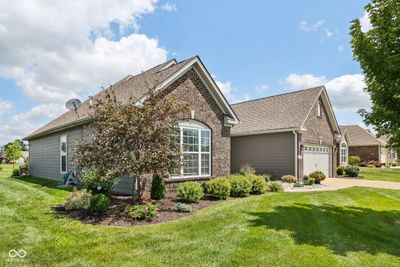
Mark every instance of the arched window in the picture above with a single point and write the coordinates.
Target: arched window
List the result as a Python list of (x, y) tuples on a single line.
[(195, 141), (343, 153)]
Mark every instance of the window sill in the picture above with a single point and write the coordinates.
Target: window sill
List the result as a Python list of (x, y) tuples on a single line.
[(185, 179)]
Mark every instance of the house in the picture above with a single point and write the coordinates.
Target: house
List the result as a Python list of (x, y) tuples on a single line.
[(208, 122), (294, 133), (367, 146)]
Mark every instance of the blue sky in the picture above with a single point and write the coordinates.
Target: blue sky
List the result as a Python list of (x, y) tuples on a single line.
[(252, 48)]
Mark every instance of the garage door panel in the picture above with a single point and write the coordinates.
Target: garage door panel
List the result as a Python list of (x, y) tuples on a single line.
[(316, 158)]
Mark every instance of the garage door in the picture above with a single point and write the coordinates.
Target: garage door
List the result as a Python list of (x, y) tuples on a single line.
[(316, 158)]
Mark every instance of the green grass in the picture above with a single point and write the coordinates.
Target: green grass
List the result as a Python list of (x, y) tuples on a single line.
[(352, 227), (381, 174)]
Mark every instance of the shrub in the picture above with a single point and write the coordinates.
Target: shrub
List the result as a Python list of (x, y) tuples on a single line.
[(269, 176), (246, 169), (190, 192), (97, 183), (219, 188), (289, 179), (298, 185), (393, 165), (77, 200), (371, 166), (354, 160), (340, 170), (318, 176), (145, 211), (352, 171), (258, 184), (157, 187), (240, 186), (362, 164), (99, 203), (15, 172), (275, 187), (180, 207), (309, 181)]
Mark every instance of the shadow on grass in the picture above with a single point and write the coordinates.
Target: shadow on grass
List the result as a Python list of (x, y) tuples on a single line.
[(340, 229), (42, 182)]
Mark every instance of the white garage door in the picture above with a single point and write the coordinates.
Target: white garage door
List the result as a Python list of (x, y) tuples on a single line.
[(316, 158)]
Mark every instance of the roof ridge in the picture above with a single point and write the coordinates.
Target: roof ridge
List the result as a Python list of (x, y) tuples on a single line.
[(282, 94)]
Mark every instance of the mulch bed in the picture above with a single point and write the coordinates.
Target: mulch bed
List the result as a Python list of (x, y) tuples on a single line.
[(116, 216)]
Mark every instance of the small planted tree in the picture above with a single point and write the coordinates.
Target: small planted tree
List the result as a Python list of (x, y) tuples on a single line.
[(13, 152), (132, 139)]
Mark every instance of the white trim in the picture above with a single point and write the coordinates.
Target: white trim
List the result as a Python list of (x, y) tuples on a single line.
[(346, 154), (288, 130), (173, 62), (62, 154)]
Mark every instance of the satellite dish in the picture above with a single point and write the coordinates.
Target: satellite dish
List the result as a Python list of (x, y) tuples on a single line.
[(73, 104)]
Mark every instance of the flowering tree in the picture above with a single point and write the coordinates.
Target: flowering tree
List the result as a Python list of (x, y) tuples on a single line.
[(134, 139)]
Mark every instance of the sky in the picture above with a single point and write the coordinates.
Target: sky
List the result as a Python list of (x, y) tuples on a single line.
[(52, 51)]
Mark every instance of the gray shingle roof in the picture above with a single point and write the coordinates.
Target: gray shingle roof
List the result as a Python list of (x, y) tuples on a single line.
[(360, 137), (279, 112)]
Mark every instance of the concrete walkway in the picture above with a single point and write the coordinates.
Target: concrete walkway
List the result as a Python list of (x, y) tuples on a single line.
[(340, 183)]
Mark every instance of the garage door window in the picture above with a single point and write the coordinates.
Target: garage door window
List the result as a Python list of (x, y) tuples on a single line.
[(311, 149)]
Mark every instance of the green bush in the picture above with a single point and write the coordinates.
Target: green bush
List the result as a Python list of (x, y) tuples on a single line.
[(99, 203), (393, 165), (309, 181), (190, 192), (298, 185), (354, 160), (318, 176), (269, 176), (258, 184), (180, 207), (246, 169), (289, 179), (145, 211), (77, 200), (275, 187), (371, 166), (97, 183), (15, 172), (157, 187), (240, 186), (352, 171), (219, 188), (340, 170)]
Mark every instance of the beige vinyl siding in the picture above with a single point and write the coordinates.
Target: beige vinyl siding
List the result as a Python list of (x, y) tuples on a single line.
[(266, 153)]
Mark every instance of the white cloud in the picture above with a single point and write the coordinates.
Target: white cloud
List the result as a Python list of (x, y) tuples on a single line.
[(304, 26), (61, 49), (261, 88), (328, 33), (169, 7), (365, 22), (346, 91), (5, 106), (228, 91)]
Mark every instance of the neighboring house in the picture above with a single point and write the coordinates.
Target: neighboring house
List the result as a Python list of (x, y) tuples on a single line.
[(364, 144), (294, 133), (205, 128)]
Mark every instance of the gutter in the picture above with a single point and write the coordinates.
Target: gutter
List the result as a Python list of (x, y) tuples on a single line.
[(295, 155), (286, 130)]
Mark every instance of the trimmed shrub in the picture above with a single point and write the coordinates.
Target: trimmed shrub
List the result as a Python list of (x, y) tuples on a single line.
[(246, 169), (77, 200), (318, 176), (258, 184), (97, 183), (371, 166), (190, 191), (269, 176), (354, 160), (289, 179), (340, 170), (99, 203), (219, 188), (275, 187), (145, 211), (309, 181), (352, 171), (240, 186), (15, 173), (157, 187), (180, 207)]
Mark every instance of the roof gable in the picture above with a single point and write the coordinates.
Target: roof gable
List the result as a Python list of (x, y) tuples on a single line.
[(359, 136)]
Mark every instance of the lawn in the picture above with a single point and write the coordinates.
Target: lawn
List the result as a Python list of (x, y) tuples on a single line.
[(382, 174), (352, 227)]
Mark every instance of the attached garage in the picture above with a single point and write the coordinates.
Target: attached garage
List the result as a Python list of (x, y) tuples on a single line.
[(316, 158)]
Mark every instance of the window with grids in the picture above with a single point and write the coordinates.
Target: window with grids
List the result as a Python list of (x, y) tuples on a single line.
[(195, 141), (63, 153), (343, 153)]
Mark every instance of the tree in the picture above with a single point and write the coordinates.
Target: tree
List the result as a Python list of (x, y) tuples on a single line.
[(378, 52), (13, 152), (134, 138), (23, 145)]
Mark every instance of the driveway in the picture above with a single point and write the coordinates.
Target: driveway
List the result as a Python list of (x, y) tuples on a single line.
[(340, 183)]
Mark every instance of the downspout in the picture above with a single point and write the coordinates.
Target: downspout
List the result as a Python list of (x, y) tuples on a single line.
[(295, 155)]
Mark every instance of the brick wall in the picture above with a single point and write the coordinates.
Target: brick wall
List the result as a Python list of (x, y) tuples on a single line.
[(366, 153)]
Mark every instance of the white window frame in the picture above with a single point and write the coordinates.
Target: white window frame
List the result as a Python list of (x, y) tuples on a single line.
[(194, 125), (319, 110), (62, 153), (345, 155), (392, 153)]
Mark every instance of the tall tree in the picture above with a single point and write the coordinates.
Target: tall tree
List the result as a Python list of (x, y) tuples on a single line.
[(13, 152), (378, 52), (134, 139)]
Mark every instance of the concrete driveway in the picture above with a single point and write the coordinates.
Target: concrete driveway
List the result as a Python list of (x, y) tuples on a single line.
[(340, 183)]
